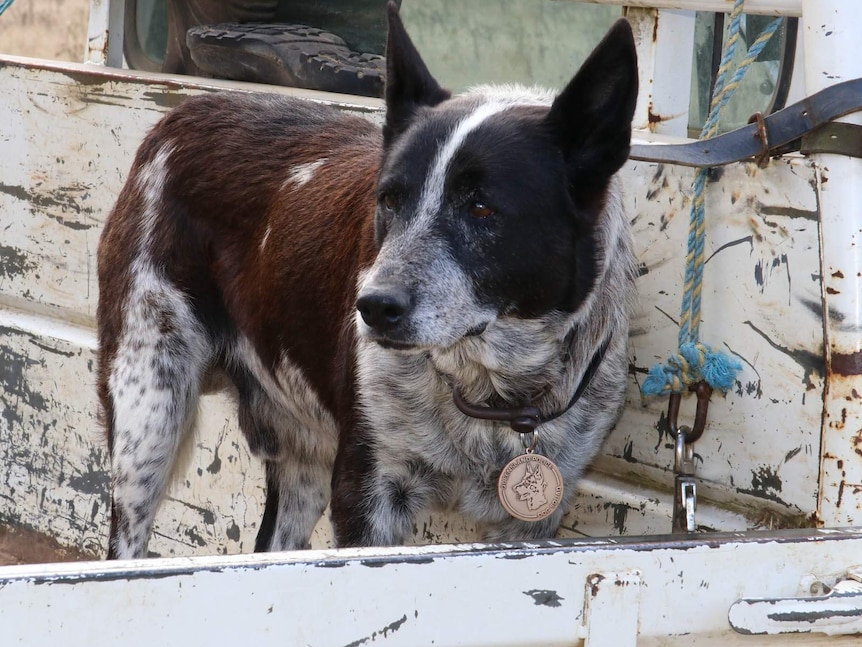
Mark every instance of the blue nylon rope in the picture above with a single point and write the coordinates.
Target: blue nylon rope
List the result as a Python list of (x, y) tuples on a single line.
[(696, 361)]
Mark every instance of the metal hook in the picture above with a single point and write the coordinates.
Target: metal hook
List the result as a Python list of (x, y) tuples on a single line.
[(703, 392), (685, 486), (683, 460), (762, 158), (530, 445)]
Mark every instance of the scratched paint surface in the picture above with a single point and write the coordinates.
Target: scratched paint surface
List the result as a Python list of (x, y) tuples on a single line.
[(650, 593), (63, 158), (761, 303)]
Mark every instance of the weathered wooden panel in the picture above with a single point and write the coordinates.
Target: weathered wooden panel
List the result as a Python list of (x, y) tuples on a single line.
[(70, 138)]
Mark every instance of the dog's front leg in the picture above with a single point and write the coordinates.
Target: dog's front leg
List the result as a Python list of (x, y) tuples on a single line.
[(297, 493), (376, 500)]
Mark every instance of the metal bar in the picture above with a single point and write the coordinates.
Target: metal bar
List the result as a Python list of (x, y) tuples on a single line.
[(761, 7), (837, 614), (105, 33), (665, 74), (831, 31), (671, 89)]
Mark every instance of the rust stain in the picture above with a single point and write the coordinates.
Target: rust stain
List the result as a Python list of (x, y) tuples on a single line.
[(71, 199), (784, 211), (765, 478), (594, 581), (811, 363), (754, 224), (765, 484), (167, 98), (653, 119), (856, 441), (620, 513), (98, 46), (792, 453)]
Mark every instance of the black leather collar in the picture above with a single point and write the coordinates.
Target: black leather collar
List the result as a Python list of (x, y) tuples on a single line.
[(525, 419)]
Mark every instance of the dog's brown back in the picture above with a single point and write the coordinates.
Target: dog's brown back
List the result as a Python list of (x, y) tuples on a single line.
[(236, 239)]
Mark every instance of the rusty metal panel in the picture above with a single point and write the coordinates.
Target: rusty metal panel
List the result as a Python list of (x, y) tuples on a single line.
[(105, 33), (72, 134), (761, 303), (53, 472), (670, 593)]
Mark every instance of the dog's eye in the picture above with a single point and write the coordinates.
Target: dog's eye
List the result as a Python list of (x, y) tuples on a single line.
[(388, 201), (480, 210)]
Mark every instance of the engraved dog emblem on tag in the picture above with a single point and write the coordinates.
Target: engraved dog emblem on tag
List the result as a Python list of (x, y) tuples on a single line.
[(530, 487)]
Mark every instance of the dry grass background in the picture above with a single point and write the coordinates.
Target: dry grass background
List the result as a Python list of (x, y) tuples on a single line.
[(53, 29)]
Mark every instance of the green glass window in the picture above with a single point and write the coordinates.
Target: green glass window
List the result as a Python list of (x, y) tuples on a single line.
[(764, 87), (464, 43)]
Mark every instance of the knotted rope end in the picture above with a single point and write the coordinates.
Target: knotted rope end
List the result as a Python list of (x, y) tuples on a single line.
[(693, 363)]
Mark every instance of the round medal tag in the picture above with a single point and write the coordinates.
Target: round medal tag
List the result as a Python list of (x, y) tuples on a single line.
[(530, 487)]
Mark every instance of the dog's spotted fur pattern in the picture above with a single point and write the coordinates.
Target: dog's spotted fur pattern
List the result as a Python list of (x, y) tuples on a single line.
[(513, 358), (248, 227)]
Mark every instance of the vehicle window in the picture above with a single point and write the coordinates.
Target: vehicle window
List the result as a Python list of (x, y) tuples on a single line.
[(763, 88), (539, 42), (465, 43), (146, 34)]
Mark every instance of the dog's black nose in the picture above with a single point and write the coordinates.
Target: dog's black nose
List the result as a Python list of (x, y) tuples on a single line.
[(383, 309)]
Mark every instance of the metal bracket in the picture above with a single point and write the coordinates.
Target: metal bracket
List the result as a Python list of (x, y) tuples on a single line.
[(612, 609), (685, 486), (838, 613)]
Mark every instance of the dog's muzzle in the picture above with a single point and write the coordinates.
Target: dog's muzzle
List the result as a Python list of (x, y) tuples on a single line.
[(391, 318)]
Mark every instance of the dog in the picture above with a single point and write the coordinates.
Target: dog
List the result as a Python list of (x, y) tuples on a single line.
[(349, 279)]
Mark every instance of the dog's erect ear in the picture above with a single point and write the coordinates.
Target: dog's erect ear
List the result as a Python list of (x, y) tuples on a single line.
[(409, 84), (591, 118)]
